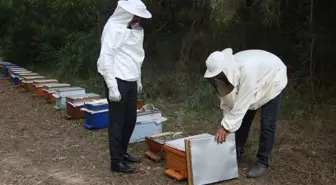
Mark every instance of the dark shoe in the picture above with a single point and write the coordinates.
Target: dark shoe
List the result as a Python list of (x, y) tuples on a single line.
[(121, 167), (257, 170), (130, 158)]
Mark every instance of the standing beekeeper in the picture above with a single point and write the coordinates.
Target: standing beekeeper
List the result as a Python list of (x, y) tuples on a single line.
[(245, 82), (120, 62)]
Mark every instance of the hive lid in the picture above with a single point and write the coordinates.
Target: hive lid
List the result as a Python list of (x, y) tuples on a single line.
[(98, 102), (80, 96), (3, 62), (17, 69), (39, 85), (45, 80), (22, 72), (33, 77), (12, 66), (56, 85), (178, 144), (29, 74), (81, 103), (209, 162), (94, 112), (68, 89)]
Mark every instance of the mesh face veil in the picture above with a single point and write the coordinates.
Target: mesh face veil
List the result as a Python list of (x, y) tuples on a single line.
[(221, 84)]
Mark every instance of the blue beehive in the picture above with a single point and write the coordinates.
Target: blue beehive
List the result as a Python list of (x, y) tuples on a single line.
[(148, 123), (96, 114), (5, 68), (15, 76)]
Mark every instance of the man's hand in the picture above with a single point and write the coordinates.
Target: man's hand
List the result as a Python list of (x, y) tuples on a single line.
[(221, 135), (139, 84), (114, 94)]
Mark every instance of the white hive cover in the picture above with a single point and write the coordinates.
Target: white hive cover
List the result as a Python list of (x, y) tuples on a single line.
[(212, 162)]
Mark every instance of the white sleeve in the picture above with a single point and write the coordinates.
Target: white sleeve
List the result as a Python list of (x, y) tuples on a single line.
[(110, 42), (232, 119)]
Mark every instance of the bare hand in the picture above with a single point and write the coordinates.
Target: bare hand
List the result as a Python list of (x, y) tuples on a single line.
[(221, 135)]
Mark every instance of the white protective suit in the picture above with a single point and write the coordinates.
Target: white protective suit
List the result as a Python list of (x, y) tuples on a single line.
[(257, 77), (122, 52)]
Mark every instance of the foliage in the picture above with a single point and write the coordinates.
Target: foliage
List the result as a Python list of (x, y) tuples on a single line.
[(65, 35)]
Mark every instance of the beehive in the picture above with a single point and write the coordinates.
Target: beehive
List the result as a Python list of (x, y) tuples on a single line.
[(11, 70), (96, 114), (74, 103), (28, 82), (201, 160), (15, 76), (22, 76), (38, 88), (155, 144), (38, 85), (5, 68), (49, 91), (147, 123), (61, 95)]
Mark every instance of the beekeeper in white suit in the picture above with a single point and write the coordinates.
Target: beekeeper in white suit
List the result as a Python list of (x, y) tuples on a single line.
[(245, 82), (120, 61)]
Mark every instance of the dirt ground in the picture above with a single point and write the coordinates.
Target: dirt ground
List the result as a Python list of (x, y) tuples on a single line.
[(39, 146)]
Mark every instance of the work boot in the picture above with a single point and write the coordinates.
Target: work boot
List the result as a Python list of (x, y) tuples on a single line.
[(131, 159), (257, 170), (121, 167)]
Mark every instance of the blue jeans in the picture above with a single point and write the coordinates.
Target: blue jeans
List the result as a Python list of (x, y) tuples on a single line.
[(268, 119)]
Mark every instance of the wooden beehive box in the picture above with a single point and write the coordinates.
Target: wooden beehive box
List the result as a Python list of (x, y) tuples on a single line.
[(15, 76), (175, 158), (201, 160), (28, 82), (22, 76), (155, 144), (39, 91), (11, 70), (74, 103), (61, 95), (38, 85), (48, 89)]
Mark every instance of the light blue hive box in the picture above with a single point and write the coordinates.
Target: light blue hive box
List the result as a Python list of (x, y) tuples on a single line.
[(147, 124)]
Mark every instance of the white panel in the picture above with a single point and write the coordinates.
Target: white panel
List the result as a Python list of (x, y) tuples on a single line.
[(212, 162)]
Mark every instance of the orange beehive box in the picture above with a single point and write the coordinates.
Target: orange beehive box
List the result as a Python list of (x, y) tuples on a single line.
[(38, 85), (49, 89), (76, 102), (38, 91), (176, 163), (156, 144), (176, 158), (22, 76), (28, 82)]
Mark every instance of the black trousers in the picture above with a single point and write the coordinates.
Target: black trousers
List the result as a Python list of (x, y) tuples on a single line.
[(122, 119), (268, 119)]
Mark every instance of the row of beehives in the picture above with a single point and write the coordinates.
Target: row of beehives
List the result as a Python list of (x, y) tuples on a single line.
[(184, 156), (78, 103)]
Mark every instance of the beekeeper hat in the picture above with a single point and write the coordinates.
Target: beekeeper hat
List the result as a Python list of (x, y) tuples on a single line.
[(217, 62), (135, 7)]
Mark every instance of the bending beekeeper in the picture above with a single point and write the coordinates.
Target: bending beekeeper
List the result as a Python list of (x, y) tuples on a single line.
[(245, 82), (120, 62)]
